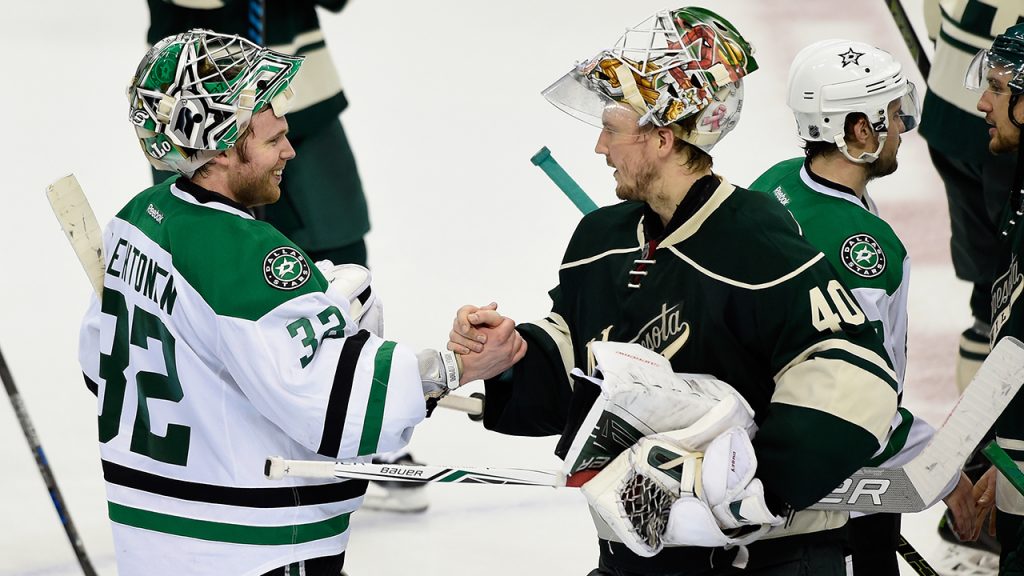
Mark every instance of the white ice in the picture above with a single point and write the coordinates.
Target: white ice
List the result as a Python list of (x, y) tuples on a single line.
[(445, 113)]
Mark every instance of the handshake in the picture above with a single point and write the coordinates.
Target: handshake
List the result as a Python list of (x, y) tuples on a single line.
[(486, 342)]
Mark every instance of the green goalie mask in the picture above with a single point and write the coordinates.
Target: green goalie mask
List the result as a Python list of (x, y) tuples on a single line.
[(673, 65), (194, 94)]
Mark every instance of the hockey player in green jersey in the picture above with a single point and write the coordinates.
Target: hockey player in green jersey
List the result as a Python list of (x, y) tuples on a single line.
[(852, 102), (217, 343), (718, 281), (998, 73)]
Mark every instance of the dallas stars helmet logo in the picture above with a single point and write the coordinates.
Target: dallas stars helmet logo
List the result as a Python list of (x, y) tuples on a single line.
[(850, 57), (285, 268), (863, 256)]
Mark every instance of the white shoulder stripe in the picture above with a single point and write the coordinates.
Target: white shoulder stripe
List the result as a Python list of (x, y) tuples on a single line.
[(598, 257), (740, 284)]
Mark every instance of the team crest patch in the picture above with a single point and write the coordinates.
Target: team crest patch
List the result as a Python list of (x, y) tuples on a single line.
[(862, 255), (285, 268)]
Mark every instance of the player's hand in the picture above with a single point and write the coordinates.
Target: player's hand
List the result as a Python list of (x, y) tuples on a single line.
[(465, 337), (985, 503), (505, 346), (963, 509)]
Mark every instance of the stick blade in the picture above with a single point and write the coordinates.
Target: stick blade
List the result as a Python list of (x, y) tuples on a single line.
[(78, 221), (983, 401)]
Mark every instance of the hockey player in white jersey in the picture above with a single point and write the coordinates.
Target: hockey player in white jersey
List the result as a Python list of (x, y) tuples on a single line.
[(216, 342)]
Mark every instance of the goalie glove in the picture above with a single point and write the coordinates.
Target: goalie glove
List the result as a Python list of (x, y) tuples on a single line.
[(659, 493), (352, 284), (439, 374)]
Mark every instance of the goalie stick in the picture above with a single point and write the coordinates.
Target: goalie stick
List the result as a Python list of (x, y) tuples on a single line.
[(896, 490), (77, 220)]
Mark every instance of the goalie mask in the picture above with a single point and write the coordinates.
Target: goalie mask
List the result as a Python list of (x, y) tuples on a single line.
[(831, 79), (673, 65), (194, 94)]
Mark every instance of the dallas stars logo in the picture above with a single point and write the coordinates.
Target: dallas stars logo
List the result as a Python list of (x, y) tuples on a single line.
[(862, 255), (850, 57), (285, 268)]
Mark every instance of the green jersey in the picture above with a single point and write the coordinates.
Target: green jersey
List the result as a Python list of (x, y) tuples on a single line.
[(871, 260), (727, 288), (1008, 320)]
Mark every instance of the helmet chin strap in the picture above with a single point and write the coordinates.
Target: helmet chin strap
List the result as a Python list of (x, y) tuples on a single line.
[(865, 157)]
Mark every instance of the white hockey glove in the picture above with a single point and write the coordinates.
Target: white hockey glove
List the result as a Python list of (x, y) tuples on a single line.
[(659, 493), (352, 283), (640, 396), (439, 373)]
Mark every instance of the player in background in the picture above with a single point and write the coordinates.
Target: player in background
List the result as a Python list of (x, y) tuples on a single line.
[(976, 193), (322, 208), (857, 95), (998, 73), (216, 342), (974, 179), (716, 279)]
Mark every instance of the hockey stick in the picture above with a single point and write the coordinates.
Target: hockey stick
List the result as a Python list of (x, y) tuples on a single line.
[(77, 220), (44, 468), (1006, 466), (79, 224), (546, 162), (910, 38), (896, 490)]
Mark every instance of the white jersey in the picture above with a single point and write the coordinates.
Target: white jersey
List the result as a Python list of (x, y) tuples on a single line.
[(217, 344)]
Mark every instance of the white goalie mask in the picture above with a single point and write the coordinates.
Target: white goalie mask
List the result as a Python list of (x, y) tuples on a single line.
[(675, 64), (831, 79)]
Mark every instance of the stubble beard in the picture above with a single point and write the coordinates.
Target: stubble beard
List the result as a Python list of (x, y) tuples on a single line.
[(255, 189), (999, 145), (882, 167), (639, 189)]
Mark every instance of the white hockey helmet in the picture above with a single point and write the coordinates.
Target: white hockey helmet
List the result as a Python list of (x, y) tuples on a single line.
[(833, 78)]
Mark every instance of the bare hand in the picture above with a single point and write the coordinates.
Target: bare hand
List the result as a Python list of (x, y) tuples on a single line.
[(465, 337), (962, 507), (504, 346), (984, 494)]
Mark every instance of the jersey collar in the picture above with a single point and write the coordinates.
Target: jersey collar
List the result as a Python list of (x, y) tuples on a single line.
[(193, 193), (704, 197), (834, 189)]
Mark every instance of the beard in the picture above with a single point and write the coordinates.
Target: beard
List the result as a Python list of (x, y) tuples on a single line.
[(1000, 143), (639, 188), (253, 188), (882, 167)]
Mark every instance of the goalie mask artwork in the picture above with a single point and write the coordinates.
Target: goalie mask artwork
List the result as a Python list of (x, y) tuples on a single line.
[(673, 65), (194, 94)]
